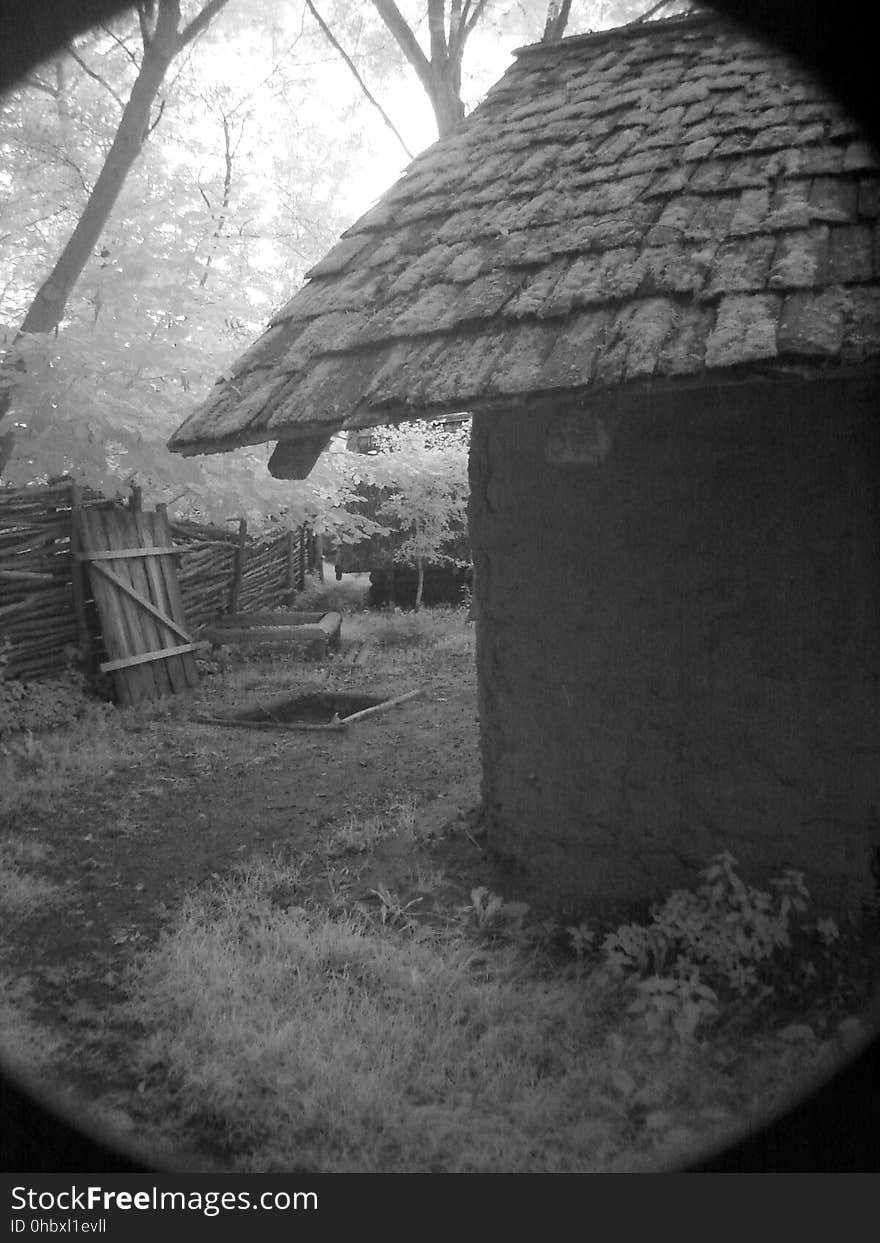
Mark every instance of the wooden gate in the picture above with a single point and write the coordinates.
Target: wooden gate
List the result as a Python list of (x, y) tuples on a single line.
[(130, 558)]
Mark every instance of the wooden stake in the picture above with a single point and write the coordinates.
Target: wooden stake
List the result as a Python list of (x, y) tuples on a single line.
[(238, 566)]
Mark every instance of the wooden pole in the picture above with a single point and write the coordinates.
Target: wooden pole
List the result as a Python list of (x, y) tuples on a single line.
[(238, 566), (136, 500), (290, 581), (78, 579), (383, 707), (302, 558), (319, 556)]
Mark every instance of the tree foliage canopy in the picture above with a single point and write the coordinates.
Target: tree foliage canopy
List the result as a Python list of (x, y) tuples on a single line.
[(253, 149)]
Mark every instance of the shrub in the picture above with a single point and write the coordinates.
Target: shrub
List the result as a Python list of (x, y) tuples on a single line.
[(722, 941)]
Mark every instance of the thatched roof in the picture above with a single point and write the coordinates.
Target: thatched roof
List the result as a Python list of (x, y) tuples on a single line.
[(664, 204)]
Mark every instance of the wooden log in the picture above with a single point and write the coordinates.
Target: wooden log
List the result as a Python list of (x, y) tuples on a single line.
[(37, 627), (26, 576), (286, 618), (383, 707), (14, 541), (29, 601)]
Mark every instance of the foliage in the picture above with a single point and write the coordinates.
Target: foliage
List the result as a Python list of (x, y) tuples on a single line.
[(726, 939), (33, 707), (275, 1017), (243, 184), (425, 495), (260, 150)]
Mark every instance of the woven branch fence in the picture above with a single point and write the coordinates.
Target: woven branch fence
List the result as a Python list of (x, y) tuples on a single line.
[(48, 620)]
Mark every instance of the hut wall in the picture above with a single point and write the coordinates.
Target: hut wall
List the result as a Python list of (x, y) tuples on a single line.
[(679, 640)]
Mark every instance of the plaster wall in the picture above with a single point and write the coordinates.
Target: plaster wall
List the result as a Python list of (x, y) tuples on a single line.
[(679, 640)]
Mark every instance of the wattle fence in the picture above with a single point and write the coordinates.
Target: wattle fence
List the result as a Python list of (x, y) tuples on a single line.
[(48, 620)]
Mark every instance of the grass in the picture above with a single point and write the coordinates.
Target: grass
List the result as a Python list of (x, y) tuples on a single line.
[(37, 770), (21, 893), (333, 1016), (378, 1051), (361, 1039), (359, 833)]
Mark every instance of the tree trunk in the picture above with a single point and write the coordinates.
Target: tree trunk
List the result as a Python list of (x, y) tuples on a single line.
[(445, 98), (161, 45), (420, 586), (440, 75), (47, 309)]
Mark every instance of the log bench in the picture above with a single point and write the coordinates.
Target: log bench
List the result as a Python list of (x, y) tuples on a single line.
[(311, 635)]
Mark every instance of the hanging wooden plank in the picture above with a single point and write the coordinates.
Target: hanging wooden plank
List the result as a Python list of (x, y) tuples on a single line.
[(144, 658)]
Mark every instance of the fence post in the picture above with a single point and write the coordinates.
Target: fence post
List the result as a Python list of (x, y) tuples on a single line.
[(238, 566), (290, 578), (136, 500), (78, 579)]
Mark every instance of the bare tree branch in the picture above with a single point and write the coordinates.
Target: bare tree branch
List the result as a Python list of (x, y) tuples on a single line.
[(470, 22), (557, 20), (201, 21), (153, 125), (37, 84), (459, 33), (331, 38), (437, 31), (408, 43), (644, 17), (121, 44), (95, 76), (146, 13)]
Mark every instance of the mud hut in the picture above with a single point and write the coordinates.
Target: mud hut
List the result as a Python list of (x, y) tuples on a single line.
[(647, 264)]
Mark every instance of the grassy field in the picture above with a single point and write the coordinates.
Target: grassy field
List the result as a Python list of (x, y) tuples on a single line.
[(260, 951)]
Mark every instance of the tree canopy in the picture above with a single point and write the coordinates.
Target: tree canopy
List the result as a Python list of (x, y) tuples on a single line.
[(167, 180)]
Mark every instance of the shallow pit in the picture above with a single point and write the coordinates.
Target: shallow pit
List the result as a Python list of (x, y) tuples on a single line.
[(313, 708)]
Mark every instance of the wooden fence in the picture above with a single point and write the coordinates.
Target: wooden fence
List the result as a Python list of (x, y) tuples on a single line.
[(48, 620)]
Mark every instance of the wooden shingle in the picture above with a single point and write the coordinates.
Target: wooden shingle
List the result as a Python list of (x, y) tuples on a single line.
[(664, 201)]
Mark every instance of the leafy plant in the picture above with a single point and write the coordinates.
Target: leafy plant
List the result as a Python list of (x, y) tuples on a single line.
[(488, 910), (721, 940), (580, 939), (393, 912)]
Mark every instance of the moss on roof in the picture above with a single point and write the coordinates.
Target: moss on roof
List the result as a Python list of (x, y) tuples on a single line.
[(647, 205)]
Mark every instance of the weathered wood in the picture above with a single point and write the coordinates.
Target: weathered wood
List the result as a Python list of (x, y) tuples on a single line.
[(142, 600), (383, 707), (138, 606), (120, 638), (77, 577), (143, 658), (26, 576), (45, 589), (238, 566), (32, 600), (153, 621), (183, 669), (289, 617), (120, 554)]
